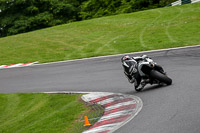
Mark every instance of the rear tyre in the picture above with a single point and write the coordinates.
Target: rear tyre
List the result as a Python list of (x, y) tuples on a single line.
[(161, 77)]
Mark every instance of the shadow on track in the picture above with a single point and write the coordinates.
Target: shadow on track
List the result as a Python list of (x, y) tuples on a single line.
[(154, 87), (147, 89)]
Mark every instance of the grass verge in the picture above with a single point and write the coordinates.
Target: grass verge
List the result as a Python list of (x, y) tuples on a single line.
[(151, 29), (44, 113)]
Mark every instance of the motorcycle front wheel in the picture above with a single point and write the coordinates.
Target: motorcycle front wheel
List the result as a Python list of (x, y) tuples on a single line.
[(161, 77)]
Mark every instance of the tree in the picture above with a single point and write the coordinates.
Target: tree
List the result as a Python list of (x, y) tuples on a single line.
[(98, 8), (18, 16)]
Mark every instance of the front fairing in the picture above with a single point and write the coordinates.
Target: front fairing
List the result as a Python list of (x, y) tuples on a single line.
[(140, 65), (145, 66)]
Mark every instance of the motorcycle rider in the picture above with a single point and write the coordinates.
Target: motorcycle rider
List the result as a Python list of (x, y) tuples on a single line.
[(130, 65)]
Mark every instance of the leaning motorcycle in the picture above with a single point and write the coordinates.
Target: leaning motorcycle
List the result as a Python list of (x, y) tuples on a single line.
[(149, 71)]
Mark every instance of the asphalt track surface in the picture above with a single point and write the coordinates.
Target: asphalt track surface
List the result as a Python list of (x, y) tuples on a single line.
[(167, 109)]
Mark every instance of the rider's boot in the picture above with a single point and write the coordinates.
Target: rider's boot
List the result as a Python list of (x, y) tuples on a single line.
[(141, 85), (131, 80)]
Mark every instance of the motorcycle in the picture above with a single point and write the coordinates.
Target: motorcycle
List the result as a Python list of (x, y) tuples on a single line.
[(149, 72)]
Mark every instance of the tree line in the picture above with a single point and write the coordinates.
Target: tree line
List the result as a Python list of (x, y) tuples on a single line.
[(19, 16)]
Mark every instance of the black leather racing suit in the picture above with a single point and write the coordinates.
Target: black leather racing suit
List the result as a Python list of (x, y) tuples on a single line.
[(132, 75)]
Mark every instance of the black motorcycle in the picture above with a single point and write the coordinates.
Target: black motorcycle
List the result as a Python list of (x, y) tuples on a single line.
[(146, 72)]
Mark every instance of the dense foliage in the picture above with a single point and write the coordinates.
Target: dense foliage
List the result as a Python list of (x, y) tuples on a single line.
[(98, 8), (19, 16)]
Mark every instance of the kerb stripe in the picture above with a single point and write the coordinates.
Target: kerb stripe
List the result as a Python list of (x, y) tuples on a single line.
[(8, 66), (103, 98), (109, 121), (26, 64), (126, 107), (117, 101), (104, 131)]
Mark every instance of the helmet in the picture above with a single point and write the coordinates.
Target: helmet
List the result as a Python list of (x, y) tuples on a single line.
[(125, 57)]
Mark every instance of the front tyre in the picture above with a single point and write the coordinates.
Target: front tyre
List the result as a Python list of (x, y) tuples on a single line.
[(161, 77)]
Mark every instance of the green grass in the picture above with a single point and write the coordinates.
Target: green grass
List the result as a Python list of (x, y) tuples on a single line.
[(151, 29), (39, 113)]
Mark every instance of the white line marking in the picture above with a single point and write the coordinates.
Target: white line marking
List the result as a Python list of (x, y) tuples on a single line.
[(101, 57)]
